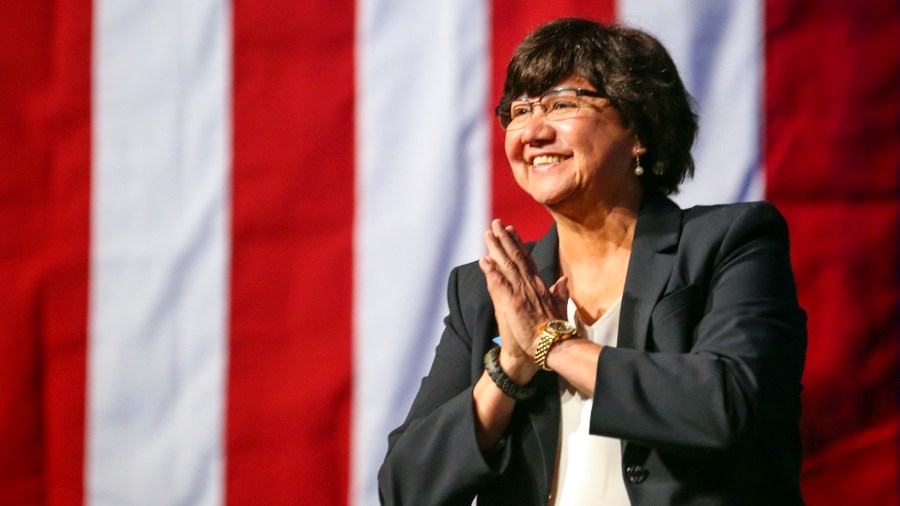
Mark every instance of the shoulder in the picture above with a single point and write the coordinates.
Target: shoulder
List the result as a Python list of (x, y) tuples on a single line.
[(467, 289), (468, 277), (742, 212), (733, 221)]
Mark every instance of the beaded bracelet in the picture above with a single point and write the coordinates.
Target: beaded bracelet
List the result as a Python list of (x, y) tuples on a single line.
[(504, 382)]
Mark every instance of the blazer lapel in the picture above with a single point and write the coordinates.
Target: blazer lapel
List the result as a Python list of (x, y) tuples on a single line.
[(546, 256), (649, 268)]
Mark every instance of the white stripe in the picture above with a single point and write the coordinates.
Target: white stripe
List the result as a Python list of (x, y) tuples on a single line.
[(718, 48), (159, 253), (422, 190)]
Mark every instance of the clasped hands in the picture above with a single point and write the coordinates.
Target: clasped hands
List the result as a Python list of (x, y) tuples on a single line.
[(522, 302)]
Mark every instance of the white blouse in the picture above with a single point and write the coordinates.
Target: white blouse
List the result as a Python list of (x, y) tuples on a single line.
[(588, 468)]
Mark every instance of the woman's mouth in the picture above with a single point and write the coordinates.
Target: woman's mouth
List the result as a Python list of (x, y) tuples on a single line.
[(545, 162)]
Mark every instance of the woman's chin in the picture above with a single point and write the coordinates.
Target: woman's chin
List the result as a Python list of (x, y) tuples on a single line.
[(550, 198)]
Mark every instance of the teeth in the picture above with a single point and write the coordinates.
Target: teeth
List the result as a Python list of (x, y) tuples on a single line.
[(546, 159)]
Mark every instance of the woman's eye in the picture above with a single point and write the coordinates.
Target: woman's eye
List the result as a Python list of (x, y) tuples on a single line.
[(519, 110), (562, 104)]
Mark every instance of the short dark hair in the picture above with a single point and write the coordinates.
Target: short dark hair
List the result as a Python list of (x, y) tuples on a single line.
[(633, 71)]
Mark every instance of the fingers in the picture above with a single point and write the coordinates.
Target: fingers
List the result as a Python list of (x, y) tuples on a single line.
[(498, 285), (508, 240), (515, 236), (489, 267), (508, 251), (496, 253)]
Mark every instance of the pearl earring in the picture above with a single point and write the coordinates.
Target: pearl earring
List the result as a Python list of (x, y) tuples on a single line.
[(638, 170)]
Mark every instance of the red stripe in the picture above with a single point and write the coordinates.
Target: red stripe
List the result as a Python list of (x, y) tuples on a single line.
[(510, 23), (65, 294), (23, 213), (289, 384), (832, 157), (44, 215)]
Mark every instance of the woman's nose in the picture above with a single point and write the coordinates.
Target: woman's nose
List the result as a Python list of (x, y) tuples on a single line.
[(537, 128)]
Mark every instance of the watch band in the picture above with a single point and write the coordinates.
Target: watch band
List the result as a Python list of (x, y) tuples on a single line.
[(551, 333), (504, 382)]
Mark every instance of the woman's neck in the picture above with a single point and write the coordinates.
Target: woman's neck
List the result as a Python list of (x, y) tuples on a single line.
[(594, 251), (605, 230)]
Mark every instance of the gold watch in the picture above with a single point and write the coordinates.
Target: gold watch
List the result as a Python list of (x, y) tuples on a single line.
[(552, 332)]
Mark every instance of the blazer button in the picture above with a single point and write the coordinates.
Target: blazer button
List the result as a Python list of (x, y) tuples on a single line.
[(636, 474)]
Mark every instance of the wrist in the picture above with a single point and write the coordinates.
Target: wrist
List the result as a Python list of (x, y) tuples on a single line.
[(565, 350), (509, 386), (552, 333), (519, 367)]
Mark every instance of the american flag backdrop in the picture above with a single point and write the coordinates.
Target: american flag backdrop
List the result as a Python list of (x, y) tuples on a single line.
[(226, 226)]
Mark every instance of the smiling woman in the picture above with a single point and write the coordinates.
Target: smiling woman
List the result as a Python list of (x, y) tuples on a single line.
[(572, 161), (649, 355)]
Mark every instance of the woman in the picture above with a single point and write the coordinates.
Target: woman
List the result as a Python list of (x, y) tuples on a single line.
[(663, 363)]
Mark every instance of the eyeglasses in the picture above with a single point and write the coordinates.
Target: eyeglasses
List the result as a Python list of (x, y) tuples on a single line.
[(558, 104)]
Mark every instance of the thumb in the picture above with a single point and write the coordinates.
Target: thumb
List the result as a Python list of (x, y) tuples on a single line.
[(560, 289)]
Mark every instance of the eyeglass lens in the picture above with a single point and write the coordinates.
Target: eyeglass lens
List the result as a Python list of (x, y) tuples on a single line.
[(557, 105)]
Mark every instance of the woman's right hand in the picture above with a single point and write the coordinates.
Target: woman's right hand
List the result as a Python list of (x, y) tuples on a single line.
[(522, 303)]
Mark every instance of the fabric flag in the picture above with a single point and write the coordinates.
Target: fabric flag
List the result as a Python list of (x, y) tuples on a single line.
[(227, 226)]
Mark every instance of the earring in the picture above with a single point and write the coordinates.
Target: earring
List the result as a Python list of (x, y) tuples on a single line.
[(638, 170)]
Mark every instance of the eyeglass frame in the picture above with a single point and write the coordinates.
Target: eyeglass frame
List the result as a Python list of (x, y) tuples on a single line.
[(579, 92)]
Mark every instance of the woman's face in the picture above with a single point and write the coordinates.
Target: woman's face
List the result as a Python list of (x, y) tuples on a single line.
[(574, 164)]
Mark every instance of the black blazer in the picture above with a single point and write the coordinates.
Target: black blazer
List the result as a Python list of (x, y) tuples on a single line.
[(703, 388)]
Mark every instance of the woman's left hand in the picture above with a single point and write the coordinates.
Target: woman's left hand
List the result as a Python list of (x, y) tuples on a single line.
[(522, 302)]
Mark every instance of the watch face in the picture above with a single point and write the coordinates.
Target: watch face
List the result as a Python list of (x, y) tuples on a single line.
[(560, 327)]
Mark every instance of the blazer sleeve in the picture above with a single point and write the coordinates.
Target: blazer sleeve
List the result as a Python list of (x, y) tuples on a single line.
[(433, 458), (742, 373)]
